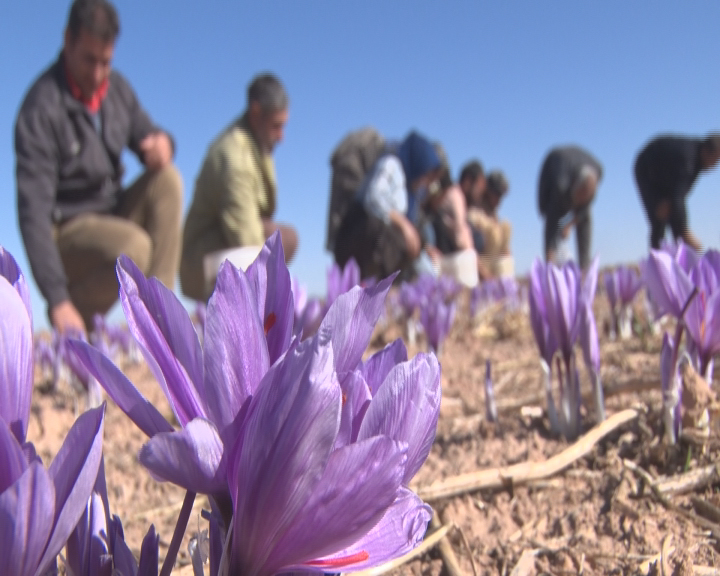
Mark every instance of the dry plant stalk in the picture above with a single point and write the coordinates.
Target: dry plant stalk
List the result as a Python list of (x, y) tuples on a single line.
[(446, 551), (527, 471)]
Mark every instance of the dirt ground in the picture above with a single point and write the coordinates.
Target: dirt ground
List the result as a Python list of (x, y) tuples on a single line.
[(607, 512)]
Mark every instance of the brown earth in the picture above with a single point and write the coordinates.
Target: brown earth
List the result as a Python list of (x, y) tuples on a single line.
[(597, 516)]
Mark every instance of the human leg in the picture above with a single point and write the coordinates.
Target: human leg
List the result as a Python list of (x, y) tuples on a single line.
[(90, 245), (154, 202), (583, 235)]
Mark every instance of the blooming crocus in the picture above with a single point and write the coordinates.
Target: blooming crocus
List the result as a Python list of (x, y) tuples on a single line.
[(692, 296), (97, 544), (251, 396), (621, 285), (340, 281), (561, 314), (38, 507), (309, 312), (437, 318)]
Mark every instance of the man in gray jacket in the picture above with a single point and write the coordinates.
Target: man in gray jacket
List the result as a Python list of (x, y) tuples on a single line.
[(75, 216), (568, 181)]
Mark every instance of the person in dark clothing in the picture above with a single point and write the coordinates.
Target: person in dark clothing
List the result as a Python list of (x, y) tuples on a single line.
[(568, 183), (665, 171), (75, 216)]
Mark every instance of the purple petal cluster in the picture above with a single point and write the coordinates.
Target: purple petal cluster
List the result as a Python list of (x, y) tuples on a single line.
[(621, 286), (672, 281), (38, 507), (561, 315), (305, 450)]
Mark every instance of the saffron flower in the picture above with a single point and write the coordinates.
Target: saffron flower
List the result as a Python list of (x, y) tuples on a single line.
[(437, 318), (561, 316), (38, 507), (621, 286), (272, 427), (670, 285), (340, 281), (97, 544)]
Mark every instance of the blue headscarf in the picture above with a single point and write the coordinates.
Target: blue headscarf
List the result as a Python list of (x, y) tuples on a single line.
[(418, 157)]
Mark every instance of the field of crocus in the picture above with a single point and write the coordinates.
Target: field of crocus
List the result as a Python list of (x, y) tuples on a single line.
[(576, 433)]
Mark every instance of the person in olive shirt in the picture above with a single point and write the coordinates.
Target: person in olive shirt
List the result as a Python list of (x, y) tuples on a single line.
[(236, 193), (665, 171), (75, 216), (568, 181)]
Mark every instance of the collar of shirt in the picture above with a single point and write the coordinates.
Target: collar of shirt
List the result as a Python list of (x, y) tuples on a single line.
[(95, 101)]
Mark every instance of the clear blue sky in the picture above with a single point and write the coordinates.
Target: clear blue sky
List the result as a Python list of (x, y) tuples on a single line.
[(502, 83)]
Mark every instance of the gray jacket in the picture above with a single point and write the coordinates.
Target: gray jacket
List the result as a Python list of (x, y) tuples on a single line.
[(69, 163)]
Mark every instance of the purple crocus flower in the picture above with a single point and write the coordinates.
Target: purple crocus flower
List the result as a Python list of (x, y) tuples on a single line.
[(621, 285), (309, 312), (97, 544), (671, 287), (561, 314), (261, 398), (38, 507), (340, 281), (437, 318)]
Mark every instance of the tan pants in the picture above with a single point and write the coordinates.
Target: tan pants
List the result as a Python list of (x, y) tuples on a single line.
[(146, 228), (192, 272)]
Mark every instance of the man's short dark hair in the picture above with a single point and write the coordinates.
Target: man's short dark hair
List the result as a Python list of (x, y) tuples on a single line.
[(472, 171), (497, 182), (96, 17), (712, 143), (266, 90)]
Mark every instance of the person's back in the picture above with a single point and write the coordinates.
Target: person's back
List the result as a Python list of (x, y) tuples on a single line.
[(351, 161), (665, 171)]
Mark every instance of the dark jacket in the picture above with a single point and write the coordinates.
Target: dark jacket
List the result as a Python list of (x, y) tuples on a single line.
[(666, 169), (558, 177), (66, 167)]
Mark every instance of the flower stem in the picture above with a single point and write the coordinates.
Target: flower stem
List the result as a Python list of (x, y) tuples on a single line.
[(177, 537)]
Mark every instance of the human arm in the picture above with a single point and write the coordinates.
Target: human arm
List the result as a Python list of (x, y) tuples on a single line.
[(463, 234), (409, 232), (66, 318), (153, 146), (676, 213), (37, 175)]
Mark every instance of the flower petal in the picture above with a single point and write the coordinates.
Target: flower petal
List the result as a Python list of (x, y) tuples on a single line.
[(236, 353), (12, 459), (121, 390), (355, 401), (11, 271), (270, 280), (667, 283), (376, 368), (16, 360), (351, 321), (399, 531), (191, 458), (74, 471), (26, 519), (357, 487), (406, 408), (287, 438), (167, 336)]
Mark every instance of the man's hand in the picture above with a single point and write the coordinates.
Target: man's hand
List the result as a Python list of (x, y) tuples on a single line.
[(565, 230), (157, 150), (691, 240), (65, 317)]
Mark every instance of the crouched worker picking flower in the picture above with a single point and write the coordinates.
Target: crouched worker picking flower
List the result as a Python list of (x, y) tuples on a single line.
[(305, 450)]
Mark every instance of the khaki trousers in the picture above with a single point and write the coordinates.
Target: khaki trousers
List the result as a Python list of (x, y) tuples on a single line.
[(146, 228)]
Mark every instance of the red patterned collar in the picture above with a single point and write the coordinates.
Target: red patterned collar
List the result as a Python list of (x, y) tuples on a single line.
[(95, 101)]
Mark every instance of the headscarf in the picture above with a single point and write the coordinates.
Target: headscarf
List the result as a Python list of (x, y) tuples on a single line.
[(418, 157)]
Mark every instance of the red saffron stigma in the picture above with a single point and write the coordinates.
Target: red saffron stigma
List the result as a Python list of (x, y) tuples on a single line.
[(340, 562), (344, 398), (269, 322)]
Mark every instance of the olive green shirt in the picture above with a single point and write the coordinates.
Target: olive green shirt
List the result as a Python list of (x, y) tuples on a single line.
[(234, 192)]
